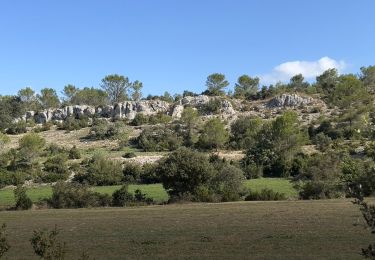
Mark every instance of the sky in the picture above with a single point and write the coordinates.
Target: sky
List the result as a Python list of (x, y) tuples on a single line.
[(173, 45)]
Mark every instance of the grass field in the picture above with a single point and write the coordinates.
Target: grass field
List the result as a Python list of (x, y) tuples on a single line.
[(326, 229), (155, 191)]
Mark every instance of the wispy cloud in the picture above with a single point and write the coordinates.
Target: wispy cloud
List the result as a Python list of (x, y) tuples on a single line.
[(309, 69)]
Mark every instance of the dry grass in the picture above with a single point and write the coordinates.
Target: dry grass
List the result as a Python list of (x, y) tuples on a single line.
[(244, 230)]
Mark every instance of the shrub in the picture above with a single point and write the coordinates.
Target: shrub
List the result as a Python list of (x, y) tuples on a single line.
[(228, 183), (101, 171), (123, 198), (159, 118), (22, 200), (129, 155), (149, 174), (319, 190), (140, 119), (4, 243), (11, 178), (157, 139), (4, 139), (184, 170), (72, 124), (46, 244), (265, 195), (73, 195), (214, 135), (211, 107), (17, 128), (132, 172), (74, 153)]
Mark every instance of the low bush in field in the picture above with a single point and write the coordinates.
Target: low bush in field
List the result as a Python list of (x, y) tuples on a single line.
[(71, 123), (73, 195), (265, 195), (22, 200), (319, 190), (137, 173), (101, 171), (157, 139), (123, 198), (11, 178), (17, 128)]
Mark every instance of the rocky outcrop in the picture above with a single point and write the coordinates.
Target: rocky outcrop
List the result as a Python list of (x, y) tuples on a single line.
[(289, 100)]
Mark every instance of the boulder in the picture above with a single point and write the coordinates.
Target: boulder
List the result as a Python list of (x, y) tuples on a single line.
[(289, 100)]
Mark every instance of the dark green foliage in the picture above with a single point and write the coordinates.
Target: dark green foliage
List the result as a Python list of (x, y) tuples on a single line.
[(123, 198), (47, 245), (101, 171), (322, 141), (116, 87), (23, 202), (73, 195), (140, 119), (17, 128), (319, 190), (216, 83), (213, 135), (48, 98), (157, 139), (11, 178), (11, 107), (212, 107), (265, 195), (129, 155), (87, 96), (149, 174), (101, 129), (74, 153), (244, 131), (72, 124), (246, 86), (184, 170), (358, 173), (274, 148), (4, 243), (132, 172), (55, 169), (187, 174), (159, 118)]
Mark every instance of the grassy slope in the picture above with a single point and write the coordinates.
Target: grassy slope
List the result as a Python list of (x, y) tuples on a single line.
[(243, 230), (155, 191)]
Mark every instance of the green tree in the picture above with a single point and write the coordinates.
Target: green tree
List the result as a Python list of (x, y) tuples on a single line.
[(297, 83), (274, 148), (48, 98), (30, 147), (22, 200), (69, 92), (216, 83), (244, 131), (184, 171), (136, 87), (27, 96), (214, 135), (246, 86), (90, 96), (327, 81), (368, 78), (190, 117), (117, 87), (11, 107)]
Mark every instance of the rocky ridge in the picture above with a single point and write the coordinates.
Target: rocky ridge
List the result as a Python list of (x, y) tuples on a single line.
[(129, 109)]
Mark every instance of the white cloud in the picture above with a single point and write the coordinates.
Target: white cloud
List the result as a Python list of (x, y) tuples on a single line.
[(309, 69)]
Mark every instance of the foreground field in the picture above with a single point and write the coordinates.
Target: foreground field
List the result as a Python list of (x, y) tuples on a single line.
[(244, 230), (155, 191)]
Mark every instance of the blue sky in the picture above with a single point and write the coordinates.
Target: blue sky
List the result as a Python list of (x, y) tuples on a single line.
[(172, 45)]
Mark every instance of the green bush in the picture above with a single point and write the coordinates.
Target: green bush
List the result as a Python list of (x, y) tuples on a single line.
[(129, 155), (73, 195), (72, 124), (265, 195), (159, 118), (132, 172), (319, 190), (11, 178), (123, 198), (22, 200), (74, 153), (101, 171), (140, 119), (17, 128), (212, 107), (157, 139)]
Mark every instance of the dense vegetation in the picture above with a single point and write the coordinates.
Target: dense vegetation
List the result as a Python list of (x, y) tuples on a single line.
[(341, 142)]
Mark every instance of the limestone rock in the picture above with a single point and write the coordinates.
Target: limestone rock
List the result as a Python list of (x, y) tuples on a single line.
[(289, 100)]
